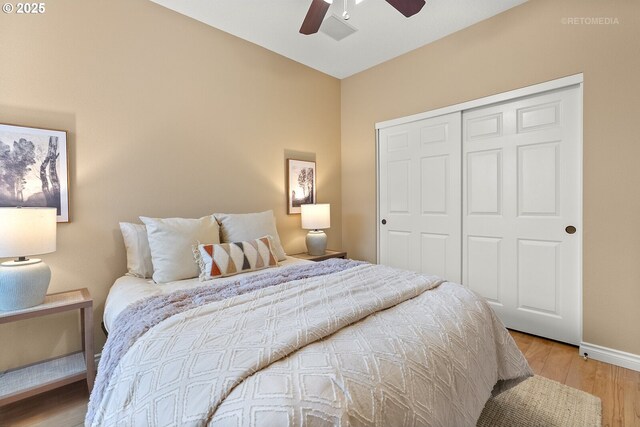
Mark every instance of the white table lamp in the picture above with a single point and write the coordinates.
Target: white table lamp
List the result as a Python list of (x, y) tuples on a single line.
[(24, 232), (315, 218)]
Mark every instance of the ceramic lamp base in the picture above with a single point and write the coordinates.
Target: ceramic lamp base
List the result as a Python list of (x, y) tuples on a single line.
[(316, 242), (23, 284)]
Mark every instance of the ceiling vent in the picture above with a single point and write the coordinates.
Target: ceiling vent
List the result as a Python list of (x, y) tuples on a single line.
[(336, 28)]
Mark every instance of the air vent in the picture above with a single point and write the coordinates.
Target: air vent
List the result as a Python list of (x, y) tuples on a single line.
[(336, 28)]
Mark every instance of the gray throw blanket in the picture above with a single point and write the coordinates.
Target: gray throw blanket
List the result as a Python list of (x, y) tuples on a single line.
[(141, 316)]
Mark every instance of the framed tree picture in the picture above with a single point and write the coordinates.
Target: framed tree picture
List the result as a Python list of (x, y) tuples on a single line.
[(301, 184), (33, 169)]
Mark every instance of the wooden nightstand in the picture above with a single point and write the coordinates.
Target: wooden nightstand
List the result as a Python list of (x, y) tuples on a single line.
[(328, 254), (29, 380)]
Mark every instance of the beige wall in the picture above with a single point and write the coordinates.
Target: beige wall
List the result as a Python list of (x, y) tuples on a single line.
[(166, 117), (526, 45)]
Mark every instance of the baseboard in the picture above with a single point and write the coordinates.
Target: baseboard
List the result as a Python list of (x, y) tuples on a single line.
[(609, 355)]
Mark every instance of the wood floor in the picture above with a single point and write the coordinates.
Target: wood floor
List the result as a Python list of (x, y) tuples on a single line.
[(618, 388)]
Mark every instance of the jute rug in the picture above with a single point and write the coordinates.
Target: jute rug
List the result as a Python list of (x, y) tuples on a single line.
[(539, 402)]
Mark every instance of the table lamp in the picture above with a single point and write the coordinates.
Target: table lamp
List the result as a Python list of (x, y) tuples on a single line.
[(24, 232), (315, 218)]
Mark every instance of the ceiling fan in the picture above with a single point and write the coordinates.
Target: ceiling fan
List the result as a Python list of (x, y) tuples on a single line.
[(319, 8)]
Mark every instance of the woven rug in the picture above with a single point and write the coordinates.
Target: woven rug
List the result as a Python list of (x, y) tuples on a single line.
[(539, 402)]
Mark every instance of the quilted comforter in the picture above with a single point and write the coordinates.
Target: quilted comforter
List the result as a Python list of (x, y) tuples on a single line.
[(366, 346)]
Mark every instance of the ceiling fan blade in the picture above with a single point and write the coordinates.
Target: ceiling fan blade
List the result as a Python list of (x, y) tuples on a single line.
[(315, 15), (407, 7)]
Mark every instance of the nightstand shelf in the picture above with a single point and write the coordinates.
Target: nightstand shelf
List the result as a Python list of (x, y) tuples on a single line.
[(328, 255), (26, 381), (41, 377)]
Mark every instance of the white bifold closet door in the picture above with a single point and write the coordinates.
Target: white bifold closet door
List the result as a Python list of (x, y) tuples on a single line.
[(419, 196), (521, 209)]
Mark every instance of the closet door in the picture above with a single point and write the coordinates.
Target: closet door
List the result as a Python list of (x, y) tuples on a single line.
[(522, 211), (420, 196)]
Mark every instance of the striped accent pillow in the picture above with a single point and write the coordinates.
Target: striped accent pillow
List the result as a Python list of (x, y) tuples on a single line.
[(227, 259)]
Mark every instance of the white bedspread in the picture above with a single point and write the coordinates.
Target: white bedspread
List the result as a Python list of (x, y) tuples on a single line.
[(370, 346), (128, 289)]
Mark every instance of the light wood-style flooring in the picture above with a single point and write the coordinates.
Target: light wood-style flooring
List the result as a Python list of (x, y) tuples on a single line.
[(618, 388)]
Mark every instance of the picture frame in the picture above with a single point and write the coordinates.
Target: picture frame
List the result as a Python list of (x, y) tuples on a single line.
[(34, 168), (301, 184)]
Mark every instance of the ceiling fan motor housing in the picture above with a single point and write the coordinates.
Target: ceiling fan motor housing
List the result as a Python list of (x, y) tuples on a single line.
[(318, 10)]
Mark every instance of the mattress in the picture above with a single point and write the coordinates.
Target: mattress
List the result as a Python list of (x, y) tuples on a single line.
[(128, 289)]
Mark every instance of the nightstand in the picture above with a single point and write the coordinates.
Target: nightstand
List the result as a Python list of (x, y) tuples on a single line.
[(26, 381), (328, 254)]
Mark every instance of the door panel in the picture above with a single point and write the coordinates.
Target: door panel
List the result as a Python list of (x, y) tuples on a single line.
[(398, 141), (487, 126), (433, 184), (399, 173), (434, 133), (420, 196), (399, 248), (538, 116), (484, 182), (538, 184), (521, 167), (483, 266), (434, 253), (538, 275)]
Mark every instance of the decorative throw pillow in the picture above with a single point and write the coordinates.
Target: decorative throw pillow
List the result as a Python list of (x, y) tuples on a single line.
[(138, 251), (227, 259), (243, 227), (171, 240)]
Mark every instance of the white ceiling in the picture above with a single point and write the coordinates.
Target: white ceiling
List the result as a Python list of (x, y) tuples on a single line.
[(383, 33)]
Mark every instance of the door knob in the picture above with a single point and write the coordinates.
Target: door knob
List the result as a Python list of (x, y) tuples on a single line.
[(384, 221), (570, 229)]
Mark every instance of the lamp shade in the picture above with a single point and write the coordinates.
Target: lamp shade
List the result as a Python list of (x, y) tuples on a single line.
[(27, 231), (316, 217)]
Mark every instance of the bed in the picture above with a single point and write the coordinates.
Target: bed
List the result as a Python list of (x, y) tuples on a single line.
[(333, 343), (432, 354)]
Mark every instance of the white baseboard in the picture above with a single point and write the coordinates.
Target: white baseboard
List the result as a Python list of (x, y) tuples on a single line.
[(609, 355)]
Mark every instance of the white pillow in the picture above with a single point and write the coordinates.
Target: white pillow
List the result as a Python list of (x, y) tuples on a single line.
[(171, 241), (243, 227), (138, 252)]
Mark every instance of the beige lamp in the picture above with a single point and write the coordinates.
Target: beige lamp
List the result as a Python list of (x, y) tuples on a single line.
[(315, 218), (24, 232)]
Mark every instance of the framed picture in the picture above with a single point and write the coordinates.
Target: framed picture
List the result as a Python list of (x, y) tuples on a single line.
[(301, 184), (33, 169)]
